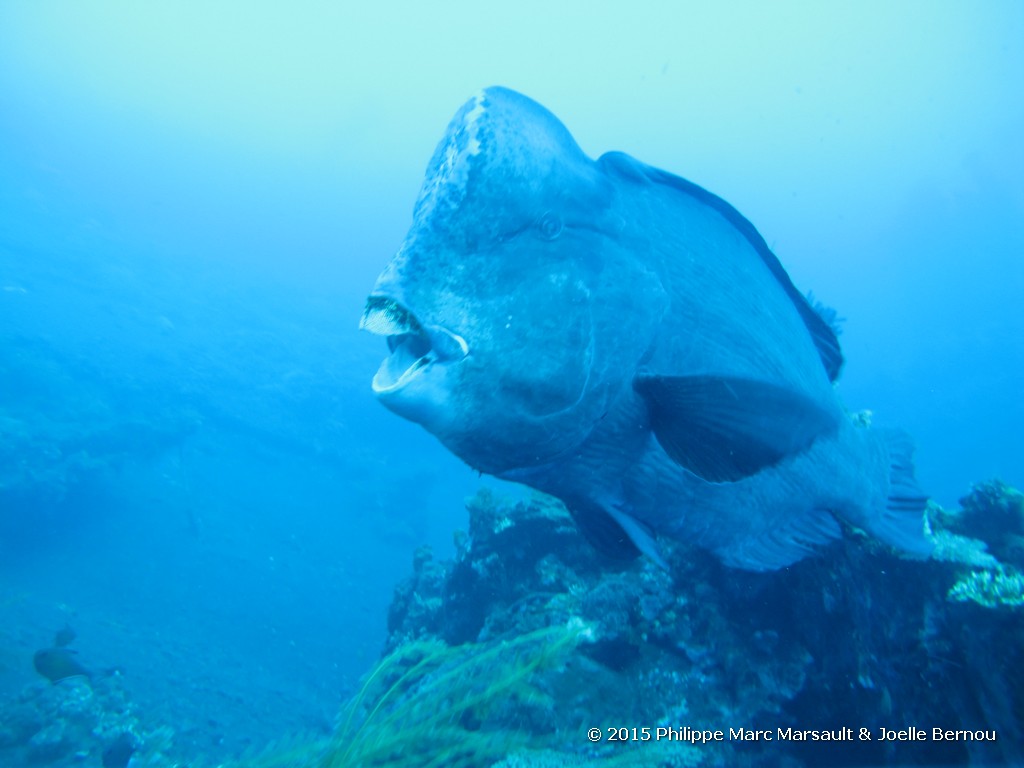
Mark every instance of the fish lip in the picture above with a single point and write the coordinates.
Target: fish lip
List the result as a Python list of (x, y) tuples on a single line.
[(415, 347)]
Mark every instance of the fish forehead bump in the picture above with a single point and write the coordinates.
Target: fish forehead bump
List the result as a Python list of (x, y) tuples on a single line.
[(499, 143), (448, 173)]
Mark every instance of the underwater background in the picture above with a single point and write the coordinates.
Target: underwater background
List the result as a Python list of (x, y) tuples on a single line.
[(196, 198)]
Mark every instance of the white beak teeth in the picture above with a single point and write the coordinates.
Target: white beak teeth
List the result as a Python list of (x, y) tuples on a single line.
[(384, 317)]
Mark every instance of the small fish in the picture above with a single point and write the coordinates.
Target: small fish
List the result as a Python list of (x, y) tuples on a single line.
[(56, 664), (625, 340), (120, 751), (64, 637)]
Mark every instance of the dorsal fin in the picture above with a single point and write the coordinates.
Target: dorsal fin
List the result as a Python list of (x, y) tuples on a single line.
[(825, 340)]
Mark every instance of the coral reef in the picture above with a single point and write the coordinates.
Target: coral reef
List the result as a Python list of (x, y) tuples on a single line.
[(859, 638), (992, 589), (994, 513), (72, 722), (510, 653)]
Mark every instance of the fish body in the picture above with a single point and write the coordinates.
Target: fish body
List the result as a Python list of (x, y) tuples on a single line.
[(59, 663), (624, 340)]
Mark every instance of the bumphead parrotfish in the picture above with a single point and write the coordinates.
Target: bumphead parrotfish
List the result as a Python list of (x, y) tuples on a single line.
[(624, 340)]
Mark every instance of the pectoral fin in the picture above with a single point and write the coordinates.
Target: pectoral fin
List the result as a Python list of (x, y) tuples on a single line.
[(724, 428), (615, 533), (603, 532)]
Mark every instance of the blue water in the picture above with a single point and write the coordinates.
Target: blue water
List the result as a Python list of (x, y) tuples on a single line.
[(194, 202)]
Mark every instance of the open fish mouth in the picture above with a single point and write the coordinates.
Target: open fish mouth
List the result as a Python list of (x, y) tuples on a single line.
[(414, 346)]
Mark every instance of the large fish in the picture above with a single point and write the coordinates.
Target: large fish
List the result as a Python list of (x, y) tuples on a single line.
[(622, 339)]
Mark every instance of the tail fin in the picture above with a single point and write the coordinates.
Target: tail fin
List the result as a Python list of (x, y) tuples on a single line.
[(901, 523)]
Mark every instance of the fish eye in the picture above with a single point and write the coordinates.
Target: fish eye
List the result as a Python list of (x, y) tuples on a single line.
[(549, 225)]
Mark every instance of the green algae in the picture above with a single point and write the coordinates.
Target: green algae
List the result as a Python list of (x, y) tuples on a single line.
[(428, 704)]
